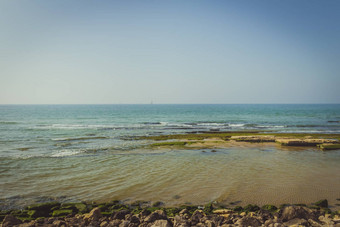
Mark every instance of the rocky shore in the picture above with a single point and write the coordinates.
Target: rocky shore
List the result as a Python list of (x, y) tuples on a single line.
[(226, 139), (138, 214)]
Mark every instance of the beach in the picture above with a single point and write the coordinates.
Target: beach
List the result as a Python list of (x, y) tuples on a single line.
[(231, 155)]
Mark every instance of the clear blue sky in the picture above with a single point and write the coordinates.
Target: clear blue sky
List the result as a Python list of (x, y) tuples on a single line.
[(256, 51)]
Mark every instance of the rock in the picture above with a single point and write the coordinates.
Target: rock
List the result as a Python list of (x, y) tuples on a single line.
[(302, 142), (124, 223), (322, 203), (42, 210), (94, 215), (115, 222), (10, 220), (209, 223), (326, 220), (222, 211), (156, 215), (161, 223), (329, 146), (314, 223), (196, 217), (270, 208), (291, 212), (183, 212), (254, 139), (180, 221), (248, 221), (59, 223), (60, 213), (296, 222), (104, 224), (121, 214)]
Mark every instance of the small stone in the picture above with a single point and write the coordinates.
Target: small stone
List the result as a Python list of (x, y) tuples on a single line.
[(124, 224), (183, 212), (196, 216), (248, 221), (104, 224), (161, 223), (222, 211), (121, 214), (314, 223), (59, 223), (156, 215)]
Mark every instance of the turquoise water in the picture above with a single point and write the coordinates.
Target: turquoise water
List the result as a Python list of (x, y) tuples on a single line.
[(79, 152)]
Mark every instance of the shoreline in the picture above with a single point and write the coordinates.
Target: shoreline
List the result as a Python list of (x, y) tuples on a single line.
[(142, 213)]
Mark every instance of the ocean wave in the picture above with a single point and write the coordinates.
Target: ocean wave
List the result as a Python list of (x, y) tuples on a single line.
[(8, 122), (80, 138), (66, 153)]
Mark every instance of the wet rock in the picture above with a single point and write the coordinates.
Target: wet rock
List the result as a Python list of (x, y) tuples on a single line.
[(296, 222), (270, 208), (115, 222), (156, 215), (303, 142), (326, 220), (104, 224), (10, 220), (322, 203), (59, 223), (254, 139), (291, 212), (94, 215), (181, 221), (248, 221), (184, 212), (196, 217), (124, 223), (121, 214), (161, 223), (209, 223), (314, 223), (222, 211), (60, 213)]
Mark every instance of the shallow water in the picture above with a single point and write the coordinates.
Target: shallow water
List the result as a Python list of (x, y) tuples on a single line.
[(75, 153)]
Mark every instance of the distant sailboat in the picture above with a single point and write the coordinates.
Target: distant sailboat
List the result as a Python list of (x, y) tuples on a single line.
[(151, 102)]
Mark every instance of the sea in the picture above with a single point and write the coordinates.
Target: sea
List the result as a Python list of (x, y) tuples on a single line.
[(75, 153)]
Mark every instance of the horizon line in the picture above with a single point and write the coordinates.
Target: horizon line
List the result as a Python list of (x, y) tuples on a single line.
[(31, 104)]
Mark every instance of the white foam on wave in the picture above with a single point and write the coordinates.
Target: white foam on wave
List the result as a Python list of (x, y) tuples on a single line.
[(65, 153), (236, 125)]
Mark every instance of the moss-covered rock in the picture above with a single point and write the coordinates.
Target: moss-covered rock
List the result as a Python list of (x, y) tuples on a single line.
[(238, 209), (329, 146), (42, 209), (43, 206), (251, 208), (158, 204), (208, 208), (76, 207), (322, 203), (60, 213), (270, 208)]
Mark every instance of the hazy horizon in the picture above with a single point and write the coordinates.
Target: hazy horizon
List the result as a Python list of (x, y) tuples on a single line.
[(169, 52)]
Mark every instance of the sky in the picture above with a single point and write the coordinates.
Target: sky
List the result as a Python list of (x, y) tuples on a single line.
[(193, 51)]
